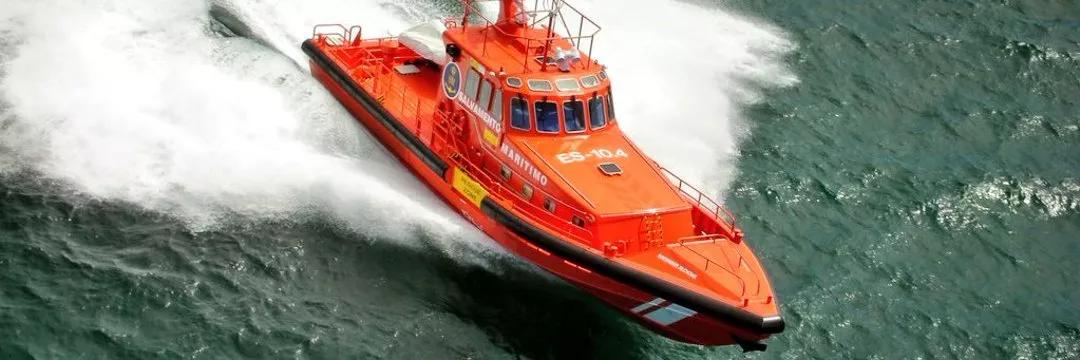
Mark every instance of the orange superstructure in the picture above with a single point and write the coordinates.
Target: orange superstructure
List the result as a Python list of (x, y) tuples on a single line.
[(511, 122)]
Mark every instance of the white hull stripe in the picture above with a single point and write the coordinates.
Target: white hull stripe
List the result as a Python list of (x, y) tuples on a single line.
[(670, 314), (647, 305)]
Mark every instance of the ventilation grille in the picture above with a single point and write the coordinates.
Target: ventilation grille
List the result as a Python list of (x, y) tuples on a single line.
[(610, 169)]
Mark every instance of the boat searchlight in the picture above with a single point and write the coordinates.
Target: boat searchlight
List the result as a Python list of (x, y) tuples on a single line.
[(566, 58)]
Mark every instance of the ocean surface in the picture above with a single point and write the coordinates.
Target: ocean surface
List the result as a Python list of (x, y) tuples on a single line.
[(173, 184)]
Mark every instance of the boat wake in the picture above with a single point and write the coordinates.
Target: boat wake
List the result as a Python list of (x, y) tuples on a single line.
[(151, 108), (156, 108), (681, 86)]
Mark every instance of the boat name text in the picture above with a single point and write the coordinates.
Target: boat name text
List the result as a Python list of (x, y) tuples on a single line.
[(486, 117), (573, 156), (524, 164), (678, 266)]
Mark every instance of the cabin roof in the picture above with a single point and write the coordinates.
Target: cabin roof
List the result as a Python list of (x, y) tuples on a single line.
[(516, 50)]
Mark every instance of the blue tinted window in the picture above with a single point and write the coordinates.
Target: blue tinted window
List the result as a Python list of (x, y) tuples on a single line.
[(574, 114), (597, 119), (519, 114), (547, 117)]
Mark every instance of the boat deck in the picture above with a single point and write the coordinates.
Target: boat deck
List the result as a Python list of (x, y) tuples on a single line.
[(406, 89)]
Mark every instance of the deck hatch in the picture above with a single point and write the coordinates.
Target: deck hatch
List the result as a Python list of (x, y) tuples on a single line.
[(610, 169), (407, 69)]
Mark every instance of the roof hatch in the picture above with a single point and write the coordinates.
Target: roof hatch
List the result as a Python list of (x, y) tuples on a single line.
[(610, 169)]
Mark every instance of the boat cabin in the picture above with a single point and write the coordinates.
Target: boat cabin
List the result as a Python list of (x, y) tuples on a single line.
[(535, 79), (547, 114), (559, 105), (526, 106)]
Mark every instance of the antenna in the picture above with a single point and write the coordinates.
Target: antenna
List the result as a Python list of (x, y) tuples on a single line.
[(512, 12), (566, 58), (553, 14)]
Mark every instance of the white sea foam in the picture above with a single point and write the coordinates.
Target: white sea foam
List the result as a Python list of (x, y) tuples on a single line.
[(682, 74), (967, 210), (130, 103)]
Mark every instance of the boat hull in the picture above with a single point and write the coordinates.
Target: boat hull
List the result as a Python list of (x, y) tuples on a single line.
[(647, 299)]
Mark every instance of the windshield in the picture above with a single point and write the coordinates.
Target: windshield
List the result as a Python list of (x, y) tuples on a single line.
[(597, 119), (519, 114), (547, 117), (574, 113)]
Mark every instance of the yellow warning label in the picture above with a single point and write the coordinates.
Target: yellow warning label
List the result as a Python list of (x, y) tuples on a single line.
[(491, 137), (468, 187), (476, 65)]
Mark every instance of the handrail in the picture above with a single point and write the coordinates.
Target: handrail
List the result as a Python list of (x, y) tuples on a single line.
[(342, 35), (496, 188), (721, 213), (555, 6), (409, 110), (712, 237), (348, 36), (514, 196)]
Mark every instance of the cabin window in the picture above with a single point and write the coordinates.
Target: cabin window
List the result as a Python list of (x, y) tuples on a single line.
[(472, 82), (574, 115), (610, 105), (577, 221), (513, 82), (590, 81), (505, 172), (496, 105), (549, 205), (527, 191), (539, 85), (597, 120), (484, 98), (547, 117), (567, 84), (519, 114)]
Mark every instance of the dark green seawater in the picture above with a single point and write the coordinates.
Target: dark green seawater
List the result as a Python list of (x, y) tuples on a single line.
[(915, 194)]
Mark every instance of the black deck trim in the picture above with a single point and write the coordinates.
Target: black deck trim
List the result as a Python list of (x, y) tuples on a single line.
[(599, 264), (404, 135)]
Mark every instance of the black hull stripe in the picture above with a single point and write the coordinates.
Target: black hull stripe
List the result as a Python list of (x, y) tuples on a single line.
[(403, 134), (618, 272), (737, 317)]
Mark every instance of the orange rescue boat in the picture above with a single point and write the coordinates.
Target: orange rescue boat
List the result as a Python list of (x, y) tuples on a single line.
[(513, 124)]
